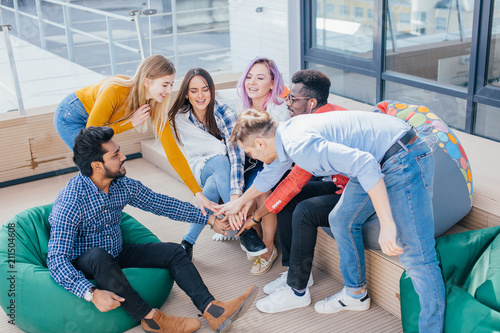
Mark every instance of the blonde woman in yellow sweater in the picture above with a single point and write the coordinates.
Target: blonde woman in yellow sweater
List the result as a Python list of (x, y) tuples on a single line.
[(123, 103)]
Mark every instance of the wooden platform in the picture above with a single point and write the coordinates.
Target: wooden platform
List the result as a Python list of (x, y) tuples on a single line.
[(223, 265), (33, 148), (383, 272), (484, 157)]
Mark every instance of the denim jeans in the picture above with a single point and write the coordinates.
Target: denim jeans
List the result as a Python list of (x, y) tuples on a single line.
[(98, 264), (298, 224), (252, 168), (216, 184), (409, 181), (70, 118)]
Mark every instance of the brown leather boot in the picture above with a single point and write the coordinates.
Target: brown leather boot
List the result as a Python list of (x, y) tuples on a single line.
[(163, 323), (221, 315)]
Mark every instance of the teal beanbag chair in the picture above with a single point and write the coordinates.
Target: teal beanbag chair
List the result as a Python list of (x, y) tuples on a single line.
[(471, 270), (34, 302)]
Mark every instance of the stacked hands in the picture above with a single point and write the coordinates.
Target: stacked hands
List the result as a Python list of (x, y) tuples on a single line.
[(235, 214)]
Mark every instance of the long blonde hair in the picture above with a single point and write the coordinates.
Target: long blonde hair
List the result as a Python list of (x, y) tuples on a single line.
[(153, 67)]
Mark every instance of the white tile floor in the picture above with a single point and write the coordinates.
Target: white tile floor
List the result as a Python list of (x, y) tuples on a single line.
[(44, 77)]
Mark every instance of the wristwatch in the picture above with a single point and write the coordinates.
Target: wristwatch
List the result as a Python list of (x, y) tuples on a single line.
[(89, 294), (256, 221)]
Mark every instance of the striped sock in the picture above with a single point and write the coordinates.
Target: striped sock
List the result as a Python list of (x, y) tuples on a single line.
[(299, 292)]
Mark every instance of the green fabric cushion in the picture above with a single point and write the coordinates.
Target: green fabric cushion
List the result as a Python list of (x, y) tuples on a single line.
[(470, 262), (42, 305)]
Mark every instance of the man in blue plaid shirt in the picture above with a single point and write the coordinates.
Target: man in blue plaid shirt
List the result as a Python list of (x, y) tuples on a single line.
[(86, 243)]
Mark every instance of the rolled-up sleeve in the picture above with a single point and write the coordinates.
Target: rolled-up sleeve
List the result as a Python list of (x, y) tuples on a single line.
[(271, 175)]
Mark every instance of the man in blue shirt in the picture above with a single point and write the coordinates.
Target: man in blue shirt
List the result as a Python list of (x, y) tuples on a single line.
[(86, 242), (391, 171)]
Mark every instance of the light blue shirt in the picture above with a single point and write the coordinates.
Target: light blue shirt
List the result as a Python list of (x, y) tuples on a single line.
[(351, 143)]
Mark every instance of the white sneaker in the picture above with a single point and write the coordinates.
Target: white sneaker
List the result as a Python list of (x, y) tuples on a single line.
[(340, 302), (280, 282), (231, 235), (283, 299)]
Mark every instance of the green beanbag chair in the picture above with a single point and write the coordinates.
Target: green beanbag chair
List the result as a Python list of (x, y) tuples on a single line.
[(34, 302), (471, 270)]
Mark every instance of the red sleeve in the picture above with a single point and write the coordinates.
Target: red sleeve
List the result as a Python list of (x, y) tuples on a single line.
[(340, 181), (287, 189)]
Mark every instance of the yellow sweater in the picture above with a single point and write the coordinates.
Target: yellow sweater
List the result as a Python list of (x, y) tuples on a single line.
[(103, 112)]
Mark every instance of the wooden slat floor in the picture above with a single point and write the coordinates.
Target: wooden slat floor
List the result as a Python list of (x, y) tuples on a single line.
[(223, 265)]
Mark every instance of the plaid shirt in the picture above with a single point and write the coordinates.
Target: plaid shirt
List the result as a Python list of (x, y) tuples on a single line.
[(226, 119), (84, 217), (298, 178)]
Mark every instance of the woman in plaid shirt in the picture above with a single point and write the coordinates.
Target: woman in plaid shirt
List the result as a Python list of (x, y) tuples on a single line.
[(203, 126)]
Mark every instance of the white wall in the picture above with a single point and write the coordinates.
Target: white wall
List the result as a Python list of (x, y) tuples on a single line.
[(264, 34)]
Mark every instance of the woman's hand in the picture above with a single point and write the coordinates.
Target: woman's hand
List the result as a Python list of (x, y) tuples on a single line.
[(141, 115), (247, 225), (204, 203), (229, 208)]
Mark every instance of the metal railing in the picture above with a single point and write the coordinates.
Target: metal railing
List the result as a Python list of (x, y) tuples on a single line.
[(13, 69), (139, 20)]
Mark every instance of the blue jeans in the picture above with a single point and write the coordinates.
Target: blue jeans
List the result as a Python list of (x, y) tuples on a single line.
[(252, 168), (70, 118), (98, 264), (409, 181), (216, 184)]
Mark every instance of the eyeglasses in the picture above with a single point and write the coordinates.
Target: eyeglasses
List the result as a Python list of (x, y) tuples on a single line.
[(291, 100)]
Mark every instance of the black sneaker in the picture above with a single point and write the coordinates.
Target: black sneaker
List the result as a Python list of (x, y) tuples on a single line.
[(251, 243), (188, 247)]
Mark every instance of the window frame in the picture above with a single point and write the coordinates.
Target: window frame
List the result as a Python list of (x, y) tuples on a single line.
[(477, 90)]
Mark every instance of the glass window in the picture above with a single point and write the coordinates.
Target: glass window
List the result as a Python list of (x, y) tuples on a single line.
[(341, 33), (348, 84), (358, 12), (431, 40), (420, 17), (404, 18), (440, 23), (330, 9), (487, 121), (450, 109), (369, 14), (344, 10), (494, 61)]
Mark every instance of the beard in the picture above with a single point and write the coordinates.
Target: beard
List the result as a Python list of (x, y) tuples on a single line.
[(114, 174)]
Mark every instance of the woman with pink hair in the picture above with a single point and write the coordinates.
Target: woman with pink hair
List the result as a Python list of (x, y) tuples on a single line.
[(259, 88)]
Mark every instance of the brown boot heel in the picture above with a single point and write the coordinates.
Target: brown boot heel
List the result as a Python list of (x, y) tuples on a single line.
[(221, 315), (171, 324)]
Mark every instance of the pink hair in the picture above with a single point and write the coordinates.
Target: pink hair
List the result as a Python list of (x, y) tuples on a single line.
[(278, 86)]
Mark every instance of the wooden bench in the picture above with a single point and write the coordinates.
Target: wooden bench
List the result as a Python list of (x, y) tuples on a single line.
[(35, 150), (383, 272)]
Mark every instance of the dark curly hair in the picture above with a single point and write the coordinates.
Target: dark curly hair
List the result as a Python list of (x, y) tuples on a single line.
[(88, 147), (316, 84)]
